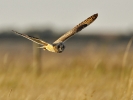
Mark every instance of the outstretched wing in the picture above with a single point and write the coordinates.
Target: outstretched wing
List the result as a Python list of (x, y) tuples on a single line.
[(77, 28), (34, 39)]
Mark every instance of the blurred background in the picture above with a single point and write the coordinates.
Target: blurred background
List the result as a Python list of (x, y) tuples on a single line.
[(92, 63), (50, 19)]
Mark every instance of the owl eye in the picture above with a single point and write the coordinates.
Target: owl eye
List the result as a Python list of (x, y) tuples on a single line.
[(58, 46)]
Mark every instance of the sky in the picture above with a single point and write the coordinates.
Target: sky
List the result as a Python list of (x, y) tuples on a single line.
[(65, 14)]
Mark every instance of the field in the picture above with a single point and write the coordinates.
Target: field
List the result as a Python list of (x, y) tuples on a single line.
[(92, 73)]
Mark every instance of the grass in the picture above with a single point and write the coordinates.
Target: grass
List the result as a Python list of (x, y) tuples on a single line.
[(90, 74)]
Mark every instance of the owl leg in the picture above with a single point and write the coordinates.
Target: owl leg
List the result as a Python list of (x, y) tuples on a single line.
[(43, 47)]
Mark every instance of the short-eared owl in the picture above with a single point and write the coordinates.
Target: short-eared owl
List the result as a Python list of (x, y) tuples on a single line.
[(58, 45)]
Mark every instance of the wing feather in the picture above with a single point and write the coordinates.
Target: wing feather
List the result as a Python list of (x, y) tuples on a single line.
[(34, 39), (77, 28)]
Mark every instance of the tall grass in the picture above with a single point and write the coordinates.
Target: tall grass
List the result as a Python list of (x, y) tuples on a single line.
[(89, 74)]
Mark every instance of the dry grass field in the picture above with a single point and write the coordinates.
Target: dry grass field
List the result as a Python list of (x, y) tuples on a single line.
[(92, 73)]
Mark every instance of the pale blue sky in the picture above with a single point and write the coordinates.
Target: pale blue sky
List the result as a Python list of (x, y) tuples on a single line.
[(61, 14)]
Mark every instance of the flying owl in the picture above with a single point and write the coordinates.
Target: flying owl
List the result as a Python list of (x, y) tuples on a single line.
[(58, 45)]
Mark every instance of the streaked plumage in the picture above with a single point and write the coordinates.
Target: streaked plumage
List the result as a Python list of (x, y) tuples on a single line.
[(58, 45)]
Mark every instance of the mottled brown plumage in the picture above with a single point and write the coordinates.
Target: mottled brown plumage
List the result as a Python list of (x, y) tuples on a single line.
[(77, 28), (34, 39), (58, 45)]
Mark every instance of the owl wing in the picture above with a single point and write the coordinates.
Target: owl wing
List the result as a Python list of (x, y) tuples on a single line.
[(34, 39), (76, 29)]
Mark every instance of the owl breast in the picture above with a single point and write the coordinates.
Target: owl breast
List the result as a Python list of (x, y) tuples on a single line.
[(49, 47)]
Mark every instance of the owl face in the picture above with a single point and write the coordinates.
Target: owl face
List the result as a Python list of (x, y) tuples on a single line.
[(59, 47)]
